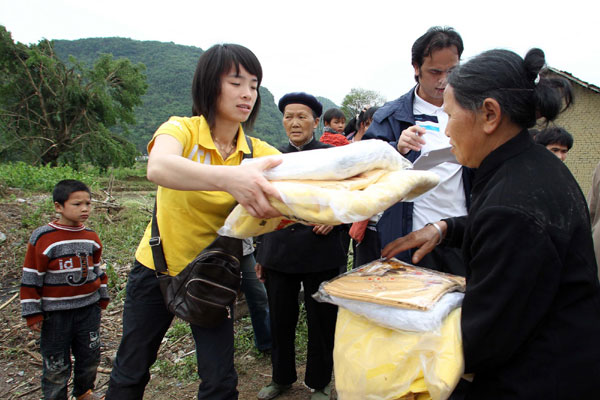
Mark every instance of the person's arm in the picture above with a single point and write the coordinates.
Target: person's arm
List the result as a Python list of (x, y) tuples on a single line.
[(167, 168), (382, 130), (34, 268), (407, 142), (514, 276), (103, 290), (425, 239)]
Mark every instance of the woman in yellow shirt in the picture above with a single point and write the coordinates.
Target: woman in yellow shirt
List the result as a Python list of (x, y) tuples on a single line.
[(196, 164)]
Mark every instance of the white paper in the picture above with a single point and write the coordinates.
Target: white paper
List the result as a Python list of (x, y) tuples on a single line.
[(434, 157)]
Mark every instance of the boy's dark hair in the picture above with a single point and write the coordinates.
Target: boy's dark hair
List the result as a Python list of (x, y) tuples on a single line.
[(63, 189), (333, 113), (206, 87), (436, 38), (554, 135)]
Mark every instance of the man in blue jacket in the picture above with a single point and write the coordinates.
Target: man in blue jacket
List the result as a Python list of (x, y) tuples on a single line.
[(415, 125)]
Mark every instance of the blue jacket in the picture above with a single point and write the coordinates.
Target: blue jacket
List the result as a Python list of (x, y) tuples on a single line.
[(388, 123)]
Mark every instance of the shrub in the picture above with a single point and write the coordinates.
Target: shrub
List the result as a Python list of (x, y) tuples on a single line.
[(24, 176)]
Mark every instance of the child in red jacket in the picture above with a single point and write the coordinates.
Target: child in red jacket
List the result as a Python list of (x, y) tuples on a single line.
[(62, 292), (335, 122)]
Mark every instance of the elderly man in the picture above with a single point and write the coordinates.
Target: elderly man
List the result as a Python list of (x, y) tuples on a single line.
[(300, 255), (415, 124)]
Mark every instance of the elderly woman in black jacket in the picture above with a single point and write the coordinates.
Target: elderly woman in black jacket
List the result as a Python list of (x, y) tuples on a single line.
[(531, 312)]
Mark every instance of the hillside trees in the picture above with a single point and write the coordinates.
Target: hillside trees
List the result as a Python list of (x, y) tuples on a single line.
[(53, 113), (357, 99)]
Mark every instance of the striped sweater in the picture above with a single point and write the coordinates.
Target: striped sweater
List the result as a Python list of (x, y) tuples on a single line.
[(62, 271)]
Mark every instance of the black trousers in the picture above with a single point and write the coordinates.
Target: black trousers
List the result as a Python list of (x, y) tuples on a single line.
[(145, 322), (283, 290)]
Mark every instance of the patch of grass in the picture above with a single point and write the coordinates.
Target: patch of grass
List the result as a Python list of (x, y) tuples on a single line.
[(184, 369), (178, 330), (120, 233), (35, 178), (117, 282), (301, 335), (244, 337), (32, 178), (37, 213)]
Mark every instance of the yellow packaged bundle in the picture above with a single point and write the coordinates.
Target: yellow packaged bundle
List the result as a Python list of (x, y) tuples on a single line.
[(394, 283), (332, 202), (376, 363)]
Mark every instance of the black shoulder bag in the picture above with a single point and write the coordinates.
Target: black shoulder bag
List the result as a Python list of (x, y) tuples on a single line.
[(205, 291)]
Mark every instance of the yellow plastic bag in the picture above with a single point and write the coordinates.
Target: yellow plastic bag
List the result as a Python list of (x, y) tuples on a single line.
[(375, 363), (332, 202)]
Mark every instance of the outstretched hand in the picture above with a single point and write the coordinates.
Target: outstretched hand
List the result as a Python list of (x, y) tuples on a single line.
[(425, 239), (251, 189)]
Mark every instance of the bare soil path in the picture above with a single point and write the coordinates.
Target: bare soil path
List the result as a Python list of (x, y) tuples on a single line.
[(20, 361)]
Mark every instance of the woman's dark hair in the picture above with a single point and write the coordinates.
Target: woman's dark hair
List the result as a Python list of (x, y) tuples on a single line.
[(365, 115), (333, 113), (350, 127), (369, 113), (520, 86), (212, 65), (436, 38), (63, 189)]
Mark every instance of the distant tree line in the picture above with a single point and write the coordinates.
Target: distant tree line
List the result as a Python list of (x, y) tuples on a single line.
[(100, 100), (54, 113), (169, 70)]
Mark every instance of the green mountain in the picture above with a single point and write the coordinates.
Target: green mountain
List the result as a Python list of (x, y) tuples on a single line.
[(169, 69)]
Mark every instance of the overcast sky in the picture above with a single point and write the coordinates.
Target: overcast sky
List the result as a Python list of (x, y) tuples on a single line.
[(326, 47)]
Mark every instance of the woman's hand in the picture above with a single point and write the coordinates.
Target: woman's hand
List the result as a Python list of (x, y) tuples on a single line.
[(322, 229), (410, 139), (425, 239), (260, 272), (246, 183), (251, 189)]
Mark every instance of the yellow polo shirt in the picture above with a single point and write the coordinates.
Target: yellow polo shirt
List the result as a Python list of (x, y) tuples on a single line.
[(188, 220)]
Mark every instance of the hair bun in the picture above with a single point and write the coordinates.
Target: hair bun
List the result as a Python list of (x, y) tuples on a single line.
[(534, 62)]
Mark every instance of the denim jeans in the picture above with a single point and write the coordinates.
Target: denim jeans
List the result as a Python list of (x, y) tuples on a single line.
[(64, 332), (145, 322), (258, 304)]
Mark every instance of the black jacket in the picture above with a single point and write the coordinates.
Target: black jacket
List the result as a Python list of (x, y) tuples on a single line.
[(388, 123), (296, 249), (531, 312)]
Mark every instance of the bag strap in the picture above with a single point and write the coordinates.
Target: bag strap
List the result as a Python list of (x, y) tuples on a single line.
[(160, 263)]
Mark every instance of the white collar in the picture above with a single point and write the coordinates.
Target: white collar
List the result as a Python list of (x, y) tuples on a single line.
[(425, 106)]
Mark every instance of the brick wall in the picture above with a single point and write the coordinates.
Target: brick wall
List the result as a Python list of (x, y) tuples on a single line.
[(582, 120)]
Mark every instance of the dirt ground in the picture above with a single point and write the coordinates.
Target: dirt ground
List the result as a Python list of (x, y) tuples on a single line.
[(20, 361)]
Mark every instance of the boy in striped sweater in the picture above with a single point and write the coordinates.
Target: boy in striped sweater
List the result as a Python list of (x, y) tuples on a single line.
[(62, 292)]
